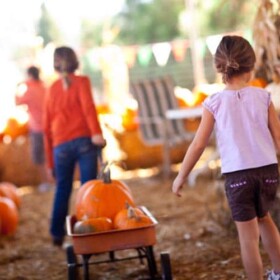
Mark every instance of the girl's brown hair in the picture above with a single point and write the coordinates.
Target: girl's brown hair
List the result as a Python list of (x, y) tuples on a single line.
[(65, 62), (234, 56)]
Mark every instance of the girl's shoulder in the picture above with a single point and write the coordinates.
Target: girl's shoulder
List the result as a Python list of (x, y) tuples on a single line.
[(213, 101), (214, 97), (257, 93), (247, 90)]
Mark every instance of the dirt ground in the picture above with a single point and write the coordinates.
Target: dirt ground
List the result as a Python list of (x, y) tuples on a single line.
[(196, 231)]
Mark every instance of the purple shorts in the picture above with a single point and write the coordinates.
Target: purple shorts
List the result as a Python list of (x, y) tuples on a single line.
[(251, 192)]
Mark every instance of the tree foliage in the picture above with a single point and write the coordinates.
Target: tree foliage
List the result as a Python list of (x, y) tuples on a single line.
[(158, 20), (221, 16), (46, 27), (91, 34), (149, 21)]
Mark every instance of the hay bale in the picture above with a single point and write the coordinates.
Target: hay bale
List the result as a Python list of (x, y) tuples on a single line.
[(16, 165)]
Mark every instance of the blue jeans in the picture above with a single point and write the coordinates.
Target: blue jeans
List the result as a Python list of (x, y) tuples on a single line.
[(66, 155)]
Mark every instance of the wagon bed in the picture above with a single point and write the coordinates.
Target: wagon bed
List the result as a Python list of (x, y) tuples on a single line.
[(141, 239)]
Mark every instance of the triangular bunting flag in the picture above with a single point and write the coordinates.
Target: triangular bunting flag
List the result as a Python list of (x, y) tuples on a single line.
[(179, 48), (145, 55), (161, 52), (212, 42)]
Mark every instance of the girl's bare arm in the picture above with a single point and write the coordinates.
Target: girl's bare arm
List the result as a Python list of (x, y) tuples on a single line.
[(274, 126), (195, 150)]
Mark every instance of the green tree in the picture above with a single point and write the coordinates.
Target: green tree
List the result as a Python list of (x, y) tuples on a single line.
[(46, 27), (158, 20), (91, 33), (148, 21), (221, 16)]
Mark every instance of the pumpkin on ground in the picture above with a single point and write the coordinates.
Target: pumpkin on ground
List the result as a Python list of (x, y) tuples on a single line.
[(131, 217), (14, 128), (102, 198), (93, 225), (9, 216), (10, 190)]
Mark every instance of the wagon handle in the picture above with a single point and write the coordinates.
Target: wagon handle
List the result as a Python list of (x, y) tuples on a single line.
[(149, 214)]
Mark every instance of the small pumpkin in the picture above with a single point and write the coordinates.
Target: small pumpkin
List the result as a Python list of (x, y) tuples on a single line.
[(93, 225), (9, 216), (10, 190), (103, 109), (129, 119), (102, 198), (122, 214), (132, 217)]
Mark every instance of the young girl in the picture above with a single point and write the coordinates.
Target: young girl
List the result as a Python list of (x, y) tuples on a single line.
[(247, 131)]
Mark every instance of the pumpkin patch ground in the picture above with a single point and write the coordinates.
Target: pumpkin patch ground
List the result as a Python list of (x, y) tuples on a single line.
[(195, 229)]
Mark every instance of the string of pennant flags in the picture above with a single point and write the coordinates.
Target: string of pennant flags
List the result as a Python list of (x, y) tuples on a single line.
[(143, 54)]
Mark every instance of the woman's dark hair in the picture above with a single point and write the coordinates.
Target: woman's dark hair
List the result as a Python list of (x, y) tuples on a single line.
[(234, 56), (34, 72), (65, 60)]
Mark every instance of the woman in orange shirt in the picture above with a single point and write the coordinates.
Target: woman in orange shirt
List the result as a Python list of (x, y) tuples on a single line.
[(72, 134)]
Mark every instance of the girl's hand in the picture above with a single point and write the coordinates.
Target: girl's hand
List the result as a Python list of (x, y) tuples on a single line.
[(178, 185), (98, 140)]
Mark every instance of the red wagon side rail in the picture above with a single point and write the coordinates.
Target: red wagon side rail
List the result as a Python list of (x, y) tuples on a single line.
[(113, 240)]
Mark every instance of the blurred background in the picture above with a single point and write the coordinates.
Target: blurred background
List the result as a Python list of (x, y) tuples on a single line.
[(119, 42)]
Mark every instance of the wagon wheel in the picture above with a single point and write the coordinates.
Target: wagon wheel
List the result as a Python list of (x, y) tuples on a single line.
[(72, 263), (165, 266)]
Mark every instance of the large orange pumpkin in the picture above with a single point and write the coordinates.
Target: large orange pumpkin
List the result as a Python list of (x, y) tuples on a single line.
[(131, 217), (102, 198), (10, 190), (9, 216), (93, 225), (79, 198)]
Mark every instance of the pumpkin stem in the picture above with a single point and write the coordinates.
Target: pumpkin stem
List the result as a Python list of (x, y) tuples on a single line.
[(107, 176), (104, 165), (131, 214), (127, 205), (105, 173)]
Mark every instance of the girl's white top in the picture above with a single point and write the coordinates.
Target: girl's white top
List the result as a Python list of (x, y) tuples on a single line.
[(241, 126)]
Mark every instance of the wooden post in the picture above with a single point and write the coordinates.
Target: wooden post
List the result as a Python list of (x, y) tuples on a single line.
[(197, 60)]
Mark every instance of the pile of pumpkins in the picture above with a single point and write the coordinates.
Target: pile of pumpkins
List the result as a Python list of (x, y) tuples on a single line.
[(9, 208), (106, 204)]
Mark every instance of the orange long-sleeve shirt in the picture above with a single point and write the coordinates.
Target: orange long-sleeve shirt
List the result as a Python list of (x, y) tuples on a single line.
[(69, 114), (34, 97)]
